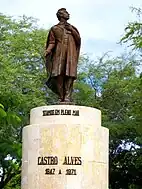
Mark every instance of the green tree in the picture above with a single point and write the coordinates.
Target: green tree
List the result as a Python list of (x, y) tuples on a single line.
[(114, 86), (10, 147), (22, 87), (119, 102), (133, 31)]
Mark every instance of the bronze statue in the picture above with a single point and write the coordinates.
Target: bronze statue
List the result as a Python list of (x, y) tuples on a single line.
[(62, 53)]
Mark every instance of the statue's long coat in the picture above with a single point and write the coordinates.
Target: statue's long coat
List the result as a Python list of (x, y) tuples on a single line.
[(56, 60)]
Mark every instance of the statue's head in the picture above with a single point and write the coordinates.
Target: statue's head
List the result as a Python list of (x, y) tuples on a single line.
[(62, 13)]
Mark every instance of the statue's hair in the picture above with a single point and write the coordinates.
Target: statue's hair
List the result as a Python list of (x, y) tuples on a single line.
[(59, 13)]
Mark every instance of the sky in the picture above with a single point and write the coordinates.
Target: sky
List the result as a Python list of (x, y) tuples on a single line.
[(101, 23)]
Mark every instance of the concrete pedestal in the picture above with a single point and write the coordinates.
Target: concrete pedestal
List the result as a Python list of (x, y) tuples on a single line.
[(65, 147)]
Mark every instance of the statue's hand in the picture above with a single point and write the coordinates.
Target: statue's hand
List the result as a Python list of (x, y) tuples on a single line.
[(47, 52), (68, 27)]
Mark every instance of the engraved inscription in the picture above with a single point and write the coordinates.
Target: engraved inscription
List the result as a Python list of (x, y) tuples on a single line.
[(75, 113), (48, 160), (53, 160), (72, 160), (50, 171), (60, 112), (60, 172), (71, 172)]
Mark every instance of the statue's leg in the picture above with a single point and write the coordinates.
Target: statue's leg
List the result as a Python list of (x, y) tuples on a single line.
[(60, 87), (68, 84)]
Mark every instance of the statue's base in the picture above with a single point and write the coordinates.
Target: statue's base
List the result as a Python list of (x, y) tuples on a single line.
[(66, 103), (65, 147)]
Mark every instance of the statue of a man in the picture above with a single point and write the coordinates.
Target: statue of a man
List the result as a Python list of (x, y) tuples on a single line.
[(62, 53)]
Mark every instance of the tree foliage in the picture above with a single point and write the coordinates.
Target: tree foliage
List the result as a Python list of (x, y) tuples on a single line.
[(133, 31), (10, 147), (22, 87), (114, 86)]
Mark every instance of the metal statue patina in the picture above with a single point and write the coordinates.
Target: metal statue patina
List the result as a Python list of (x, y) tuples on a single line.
[(62, 53)]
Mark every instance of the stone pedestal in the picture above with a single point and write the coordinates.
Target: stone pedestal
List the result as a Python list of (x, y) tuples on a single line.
[(65, 147)]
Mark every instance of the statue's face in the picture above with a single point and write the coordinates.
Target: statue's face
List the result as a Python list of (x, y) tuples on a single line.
[(65, 15)]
